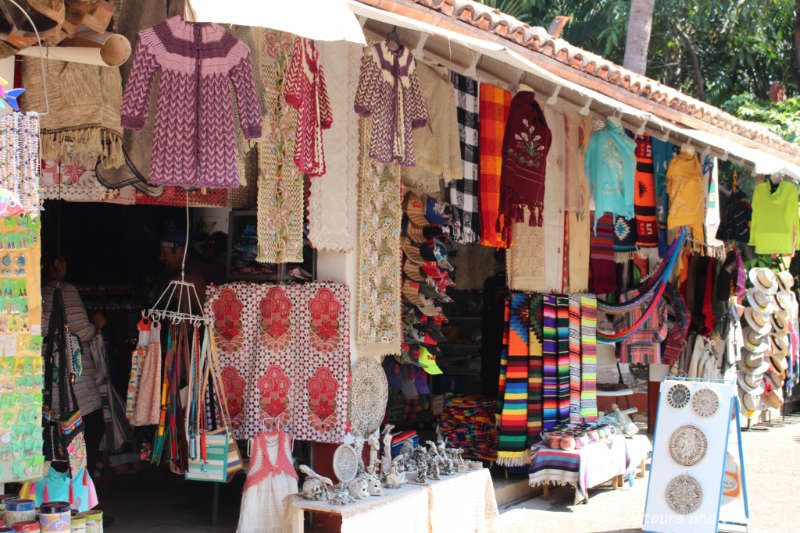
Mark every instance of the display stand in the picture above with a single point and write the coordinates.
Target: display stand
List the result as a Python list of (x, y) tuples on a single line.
[(696, 483)]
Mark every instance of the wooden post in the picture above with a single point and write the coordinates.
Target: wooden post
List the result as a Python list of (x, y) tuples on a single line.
[(546, 491)]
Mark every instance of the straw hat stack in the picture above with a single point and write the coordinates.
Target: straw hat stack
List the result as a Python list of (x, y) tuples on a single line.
[(771, 308)]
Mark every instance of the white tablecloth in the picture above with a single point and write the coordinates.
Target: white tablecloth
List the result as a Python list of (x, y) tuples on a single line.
[(462, 502)]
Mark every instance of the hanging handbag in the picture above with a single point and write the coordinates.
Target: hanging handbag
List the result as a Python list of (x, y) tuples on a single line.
[(213, 454), (62, 429)]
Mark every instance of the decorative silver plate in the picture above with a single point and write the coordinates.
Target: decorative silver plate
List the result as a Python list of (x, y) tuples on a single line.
[(688, 445), (684, 494), (369, 392), (705, 402), (678, 396), (345, 463)]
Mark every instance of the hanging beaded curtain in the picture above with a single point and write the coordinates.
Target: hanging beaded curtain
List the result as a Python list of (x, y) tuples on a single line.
[(20, 166)]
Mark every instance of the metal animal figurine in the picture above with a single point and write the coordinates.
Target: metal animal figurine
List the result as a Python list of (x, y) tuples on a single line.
[(315, 487), (394, 476), (386, 461), (421, 462), (358, 488)]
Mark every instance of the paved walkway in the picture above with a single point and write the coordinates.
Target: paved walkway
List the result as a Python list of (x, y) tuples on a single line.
[(772, 460)]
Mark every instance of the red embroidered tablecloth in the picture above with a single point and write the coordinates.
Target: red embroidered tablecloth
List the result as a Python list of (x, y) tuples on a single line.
[(285, 356)]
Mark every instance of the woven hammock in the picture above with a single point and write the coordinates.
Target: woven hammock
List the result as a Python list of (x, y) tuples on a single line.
[(659, 284), (651, 284)]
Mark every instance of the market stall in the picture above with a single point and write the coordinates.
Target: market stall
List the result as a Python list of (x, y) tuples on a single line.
[(359, 271)]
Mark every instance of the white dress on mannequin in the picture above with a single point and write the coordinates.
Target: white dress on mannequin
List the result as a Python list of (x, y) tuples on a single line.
[(271, 478)]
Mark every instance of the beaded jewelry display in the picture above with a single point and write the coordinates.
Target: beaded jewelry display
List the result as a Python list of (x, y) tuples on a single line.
[(20, 163)]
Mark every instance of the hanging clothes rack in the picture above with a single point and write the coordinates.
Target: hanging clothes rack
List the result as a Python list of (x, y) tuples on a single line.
[(179, 302)]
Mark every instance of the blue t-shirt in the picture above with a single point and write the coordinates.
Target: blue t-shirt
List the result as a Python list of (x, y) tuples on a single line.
[(610, 165)]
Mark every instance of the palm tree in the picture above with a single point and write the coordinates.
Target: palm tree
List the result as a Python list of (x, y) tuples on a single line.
[(640, 22)]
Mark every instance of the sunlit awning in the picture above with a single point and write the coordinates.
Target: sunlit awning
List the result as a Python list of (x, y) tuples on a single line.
[(321, 20)]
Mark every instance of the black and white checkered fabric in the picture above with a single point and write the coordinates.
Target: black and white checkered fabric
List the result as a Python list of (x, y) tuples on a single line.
[(463, 193)]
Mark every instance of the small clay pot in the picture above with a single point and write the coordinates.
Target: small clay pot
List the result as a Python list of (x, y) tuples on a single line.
[(567, 443), (554, 441)]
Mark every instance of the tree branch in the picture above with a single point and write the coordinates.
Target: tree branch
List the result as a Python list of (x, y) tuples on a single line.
[(698, 74)]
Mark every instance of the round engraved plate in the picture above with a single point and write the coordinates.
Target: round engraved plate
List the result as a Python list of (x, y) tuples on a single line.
[(684, 494), (688, 445), (705, 403), (678, 396)]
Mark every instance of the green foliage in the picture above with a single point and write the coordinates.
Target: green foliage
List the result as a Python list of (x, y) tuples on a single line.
[(742, 45), (782, 118)]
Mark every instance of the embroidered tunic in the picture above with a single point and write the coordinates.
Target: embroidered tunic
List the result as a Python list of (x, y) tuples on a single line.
[(610, 166), (389, 91), (194, 142), (306, 91)]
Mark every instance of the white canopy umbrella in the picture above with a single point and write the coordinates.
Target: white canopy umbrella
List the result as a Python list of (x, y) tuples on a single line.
[(321, 20)]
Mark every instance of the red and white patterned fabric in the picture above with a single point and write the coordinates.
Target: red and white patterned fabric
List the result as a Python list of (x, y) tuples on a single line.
[(305, 90), (285, 357)]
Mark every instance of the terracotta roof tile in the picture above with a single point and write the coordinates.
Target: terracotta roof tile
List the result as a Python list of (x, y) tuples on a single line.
[(536, 39)]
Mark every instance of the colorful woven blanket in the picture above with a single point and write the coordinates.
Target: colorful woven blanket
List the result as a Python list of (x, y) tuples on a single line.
[(562, 325), (588, 358), (513, 433), (550, 363), (574, 358), (495, 104)]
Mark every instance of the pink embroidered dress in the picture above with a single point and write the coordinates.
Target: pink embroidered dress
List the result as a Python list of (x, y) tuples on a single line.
[(271, 478), (304, 89), (194, 142)]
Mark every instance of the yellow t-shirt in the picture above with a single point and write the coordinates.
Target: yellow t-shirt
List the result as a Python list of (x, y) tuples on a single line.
[(775, 224)]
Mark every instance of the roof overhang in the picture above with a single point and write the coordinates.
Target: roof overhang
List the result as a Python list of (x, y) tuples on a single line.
[(499, 64), (332, 20)]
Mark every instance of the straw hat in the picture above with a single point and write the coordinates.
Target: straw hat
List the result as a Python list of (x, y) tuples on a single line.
[(780, 326), (755, 342), (779, 345), (412, 271), (785, 280), (750, 402), (752, 360), (764, 279), (760, 301), (751, 383), (756, 321), (415, 233), (783, 300)]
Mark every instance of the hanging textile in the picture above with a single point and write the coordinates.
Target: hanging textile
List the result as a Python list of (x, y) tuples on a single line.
[(563, 357), (378, 314), (676, 336), (550, 363), (526, 143), (574, 358), (176, 196), (601, 256), (513, 435), (194, 141), (280, 183), (148, 390), (775, 228), (436, 145), (304, 89), (525, 261), (271, 479), (712, 219), (332, 202), (644, 344), (389, 92), (624, 235), (610, 167), (285, 357), (662, 156), (21, 345), (578, 128), (19, 148), (72, 183), (644, 194), (494, 107), (588, 357), (535, 366), (78, 129), (501, 377), (554, 199), (687, 194), (463, 193)]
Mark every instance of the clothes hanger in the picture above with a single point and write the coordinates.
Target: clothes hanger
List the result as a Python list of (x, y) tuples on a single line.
[(393, 38)]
